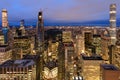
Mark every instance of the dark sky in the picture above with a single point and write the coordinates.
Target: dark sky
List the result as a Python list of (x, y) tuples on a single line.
[(59, 11)]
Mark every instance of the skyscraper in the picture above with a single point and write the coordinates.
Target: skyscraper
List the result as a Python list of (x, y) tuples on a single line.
[(5, 24), (40, 45), (40, 28), (4, 18), (113, 23)]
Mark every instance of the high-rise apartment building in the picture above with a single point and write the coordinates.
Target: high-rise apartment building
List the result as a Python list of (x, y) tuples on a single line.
[(5, 24), (40, 45), (40, 33), (4, 18), (113, 23), (40, 28)]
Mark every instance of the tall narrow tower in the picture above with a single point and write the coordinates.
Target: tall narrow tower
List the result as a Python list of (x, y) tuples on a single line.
[(5, 25), (40, 45), (40, 33), (40, 26), (4, 18), (113, 23)]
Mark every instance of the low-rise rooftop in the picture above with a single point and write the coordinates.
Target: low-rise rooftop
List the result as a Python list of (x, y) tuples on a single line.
[(109, 67), (18, 63), (91, 57)]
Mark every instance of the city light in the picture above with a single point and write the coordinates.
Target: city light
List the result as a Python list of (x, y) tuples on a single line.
[(72, 52)]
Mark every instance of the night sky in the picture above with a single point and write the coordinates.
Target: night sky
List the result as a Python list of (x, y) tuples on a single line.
[(60, 12)]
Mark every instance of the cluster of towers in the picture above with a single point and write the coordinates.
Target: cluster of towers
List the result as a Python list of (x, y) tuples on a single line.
[(40, 35)]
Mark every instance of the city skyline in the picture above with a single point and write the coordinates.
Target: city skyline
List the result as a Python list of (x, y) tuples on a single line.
[(60, 12), (60, 52)]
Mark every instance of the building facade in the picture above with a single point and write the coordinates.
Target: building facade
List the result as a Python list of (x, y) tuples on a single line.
[(5, 53), (91, 67), (112, 28), (4, 18), (115, 57), (80, 45), (105, 42), (22, 45), (18, 70)]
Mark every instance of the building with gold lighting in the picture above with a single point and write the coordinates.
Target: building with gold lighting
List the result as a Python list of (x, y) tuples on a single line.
[(91, 67), (80, 45), (18, 70), (22, 45), (5, 53)]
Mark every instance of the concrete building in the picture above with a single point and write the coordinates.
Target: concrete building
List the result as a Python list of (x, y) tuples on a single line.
[(5, 53), (109, 72), (91, 67), (18, 70)]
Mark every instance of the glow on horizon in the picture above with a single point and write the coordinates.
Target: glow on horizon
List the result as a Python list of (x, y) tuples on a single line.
[(59, 10)]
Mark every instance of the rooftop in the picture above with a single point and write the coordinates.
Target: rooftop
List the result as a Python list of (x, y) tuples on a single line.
[(22, 37), (91, 57), (109, 67), (96, 35), (18, 63), (31, 57), (4, 45)]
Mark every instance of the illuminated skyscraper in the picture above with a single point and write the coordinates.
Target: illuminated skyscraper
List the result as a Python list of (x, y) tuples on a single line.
[(22, 28), (5, 24), (113, 23), (40, 45), (40, 27), (4, 18)]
